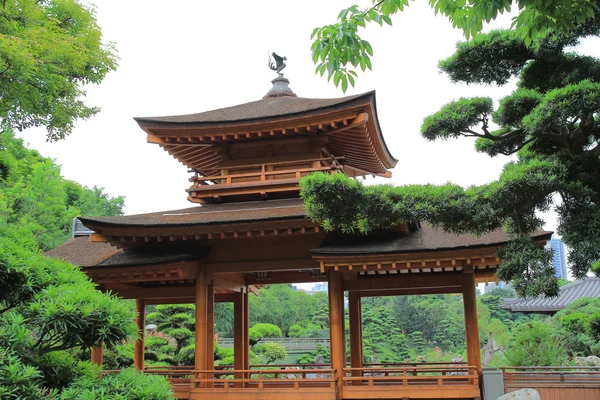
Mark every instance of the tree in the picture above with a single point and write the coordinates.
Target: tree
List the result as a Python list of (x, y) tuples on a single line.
[(339, 50), (551, 123), (399, 345), (577, 326), (47, 309), (175, 321), (535, 344), (261, 331), (33, 193), (48, 51), (270, 352), (417, 341)]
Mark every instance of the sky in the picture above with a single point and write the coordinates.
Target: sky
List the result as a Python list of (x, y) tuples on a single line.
[(186, 56)]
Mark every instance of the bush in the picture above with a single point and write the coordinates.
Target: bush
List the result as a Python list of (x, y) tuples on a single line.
[(127, 384), (535, 344)]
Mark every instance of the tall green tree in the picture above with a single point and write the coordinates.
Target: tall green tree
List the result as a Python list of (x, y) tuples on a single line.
[(33, 193), (339, 50), (551, 122), (49, 50)]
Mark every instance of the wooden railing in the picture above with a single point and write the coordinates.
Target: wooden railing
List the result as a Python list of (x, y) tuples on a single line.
[(265, 174), (431, 374), (550, 375), (264, 378)]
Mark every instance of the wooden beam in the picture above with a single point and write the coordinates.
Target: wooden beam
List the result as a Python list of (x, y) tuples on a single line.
[(411, 291), (154, 139), (210, 330), (404, 281), (235, 283), (356, 345), (138, 347), (160, 292), (336, 328), (254, 289), (246, 305), (238, 335), (286, 277), (471, 324), (263, 265), (201, 348)]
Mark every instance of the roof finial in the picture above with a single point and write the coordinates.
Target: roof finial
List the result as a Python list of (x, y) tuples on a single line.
[(278, 64), (280, 84)]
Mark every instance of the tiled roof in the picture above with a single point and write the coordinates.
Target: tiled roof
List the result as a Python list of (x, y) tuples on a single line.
[(83, 252), (589, 287), (261, 110), (209, 214), (426, 238)]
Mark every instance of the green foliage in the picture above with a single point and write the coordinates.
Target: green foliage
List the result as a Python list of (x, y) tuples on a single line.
[(261, 331), (17, 380), (270, 352), (551, 122), (535, 344), (33, 194), (300, 306), (339, 50), (320, 355), (305, 329), (127, 384), (176, 321), (577, 326), (417, 341), (48, 51)]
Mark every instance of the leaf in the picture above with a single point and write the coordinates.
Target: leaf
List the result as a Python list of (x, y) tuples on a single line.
[(368, 47), (344, 83)]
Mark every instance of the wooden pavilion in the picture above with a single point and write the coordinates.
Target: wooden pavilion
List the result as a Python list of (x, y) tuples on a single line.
[(250, 229)]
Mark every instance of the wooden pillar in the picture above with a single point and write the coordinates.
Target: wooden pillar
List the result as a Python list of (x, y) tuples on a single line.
[(246, 329), (356, 345), (336, 328), (471, 324), (138, 347), (210, 331), (97, 355), (201, 355), (239, 355)]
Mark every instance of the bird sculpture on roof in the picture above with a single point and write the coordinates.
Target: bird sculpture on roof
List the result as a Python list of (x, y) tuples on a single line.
[(276, 63)]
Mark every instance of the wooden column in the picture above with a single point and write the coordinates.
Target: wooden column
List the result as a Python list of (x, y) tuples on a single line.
[(138, 347), (471, 324), (247, 329), (210, 330), (97, 355), (356, 345), (239, 317), (201, 356), (336, 328)]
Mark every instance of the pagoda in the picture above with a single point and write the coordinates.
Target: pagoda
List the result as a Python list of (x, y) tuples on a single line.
[(249, 228)]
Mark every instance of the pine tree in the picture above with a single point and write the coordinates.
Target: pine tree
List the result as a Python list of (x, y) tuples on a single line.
[(417, 341)]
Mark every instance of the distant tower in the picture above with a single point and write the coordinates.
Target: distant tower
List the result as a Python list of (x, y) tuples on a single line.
[(559, 261)]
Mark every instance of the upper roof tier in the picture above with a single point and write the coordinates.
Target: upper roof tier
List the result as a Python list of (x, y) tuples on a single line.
[(346, 127)]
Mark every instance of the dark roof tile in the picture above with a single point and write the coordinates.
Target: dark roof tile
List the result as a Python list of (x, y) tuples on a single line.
[(589, 287), (426, 238), (83, 252), (265, 109), (209, 214)]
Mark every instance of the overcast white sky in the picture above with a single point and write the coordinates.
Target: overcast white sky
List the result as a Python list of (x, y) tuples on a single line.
[(182, 57)]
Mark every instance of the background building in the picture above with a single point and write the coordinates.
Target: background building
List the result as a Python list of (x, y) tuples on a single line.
[(559, 261)]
